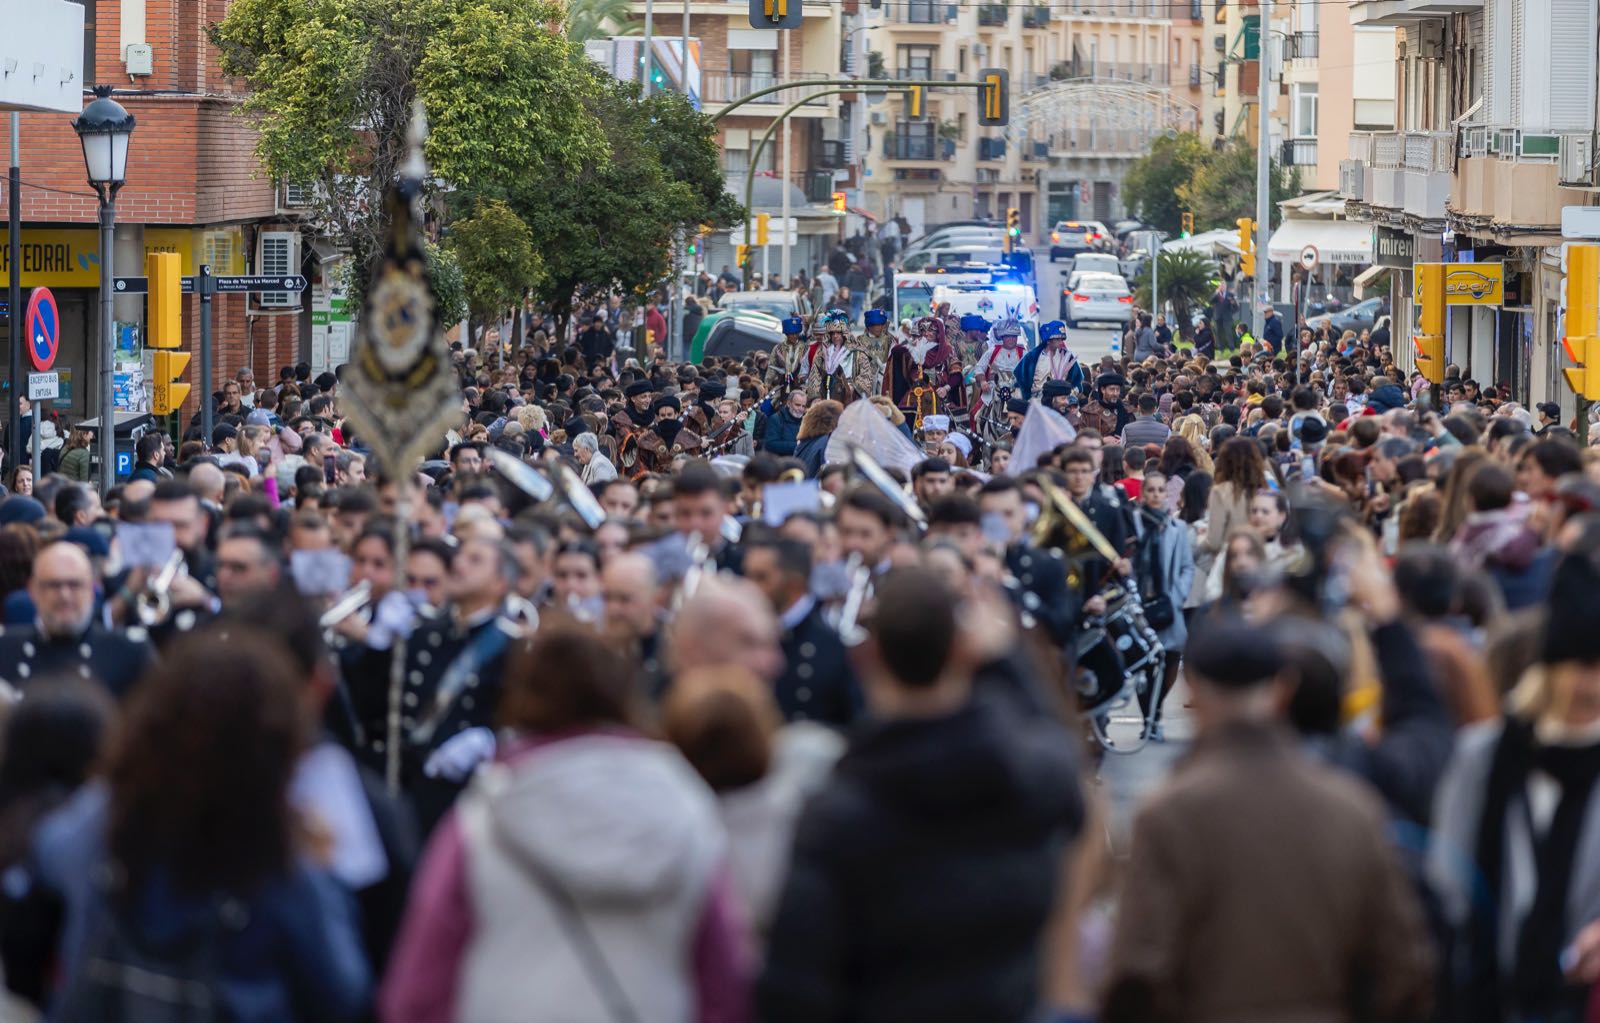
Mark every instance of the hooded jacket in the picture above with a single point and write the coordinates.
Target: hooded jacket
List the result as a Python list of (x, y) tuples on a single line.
[(605, 834), (971, 811)]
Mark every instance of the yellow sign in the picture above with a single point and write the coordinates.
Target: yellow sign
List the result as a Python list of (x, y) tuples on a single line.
[(67, 257), (1474, 283)]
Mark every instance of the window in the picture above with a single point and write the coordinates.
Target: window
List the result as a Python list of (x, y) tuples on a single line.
[(759, 67), (88, 42), (279, 256), (1304, 124), (917, 61)]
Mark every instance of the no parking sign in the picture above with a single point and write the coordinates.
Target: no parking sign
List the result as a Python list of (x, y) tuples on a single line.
[(43, 323)]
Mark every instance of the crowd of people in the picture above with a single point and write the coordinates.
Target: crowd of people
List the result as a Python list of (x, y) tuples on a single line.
[(760, 689)]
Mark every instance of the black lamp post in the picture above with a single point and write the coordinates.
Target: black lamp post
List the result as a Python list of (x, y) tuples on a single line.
[(104, 128)]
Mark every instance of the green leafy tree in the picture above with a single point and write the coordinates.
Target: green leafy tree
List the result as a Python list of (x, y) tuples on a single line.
[(333, 82), (610, 225), (499, 264), (1223, 188), (1188, 279), (596, 19), (1153, 182), (446, 282)]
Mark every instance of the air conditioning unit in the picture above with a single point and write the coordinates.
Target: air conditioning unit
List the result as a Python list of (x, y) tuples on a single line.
[(1220, 43), (1575, 164), (879, 117), (278, 255), (1430, 40), (293, 198)]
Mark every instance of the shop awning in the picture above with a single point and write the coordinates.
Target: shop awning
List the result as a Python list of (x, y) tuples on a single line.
[(1336, 241), (1371, 279)]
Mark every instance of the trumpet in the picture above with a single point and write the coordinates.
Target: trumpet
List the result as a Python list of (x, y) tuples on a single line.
[(350, 602), (155, 600), (701, 564)]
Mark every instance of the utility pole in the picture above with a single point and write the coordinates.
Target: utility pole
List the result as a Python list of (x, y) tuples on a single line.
[(1263, 165), (14, 272), (649, 28), (787, 138)]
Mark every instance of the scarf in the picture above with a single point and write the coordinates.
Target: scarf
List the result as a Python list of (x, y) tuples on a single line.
[(667, 430), (1535, 985)]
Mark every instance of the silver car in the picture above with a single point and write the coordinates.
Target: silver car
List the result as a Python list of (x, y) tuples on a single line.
[(1099, 298)]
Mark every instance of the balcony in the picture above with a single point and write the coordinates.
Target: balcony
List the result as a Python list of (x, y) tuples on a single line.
[(1094, 140), (991, 149), (993, 15), (1197, 10), (1407, 171), (1194, 76), (1427, 156), (1037, 152), (923, 74), (1303, 46), (1301, 152), (723, 87), (1355, 173), (1407, 13), (917, 147), (923, 12), (1537, 145), (830, 155), (1035, 17), (818, 186)]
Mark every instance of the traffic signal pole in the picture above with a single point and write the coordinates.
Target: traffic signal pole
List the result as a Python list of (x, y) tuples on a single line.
[(1263, 164), (206, 286)]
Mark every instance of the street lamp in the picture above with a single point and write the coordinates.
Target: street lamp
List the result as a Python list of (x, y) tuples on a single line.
[(104, 128)]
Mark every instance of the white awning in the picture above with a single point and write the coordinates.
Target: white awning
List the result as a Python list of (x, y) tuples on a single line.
[(1336, 241), (1369, 279)]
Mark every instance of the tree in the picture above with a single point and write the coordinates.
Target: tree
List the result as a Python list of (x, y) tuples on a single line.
[(610, 225), (444, 280), (1223, 188), (1188, 279), (333, 83), (1151, 187), (596, 19), (498, 263)]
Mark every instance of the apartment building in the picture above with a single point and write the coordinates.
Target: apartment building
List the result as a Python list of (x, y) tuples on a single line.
[(193, 187), (1092, 83), (1494, 134)]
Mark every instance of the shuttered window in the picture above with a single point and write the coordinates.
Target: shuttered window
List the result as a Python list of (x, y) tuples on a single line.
[(1570, 65), (1516, 63)]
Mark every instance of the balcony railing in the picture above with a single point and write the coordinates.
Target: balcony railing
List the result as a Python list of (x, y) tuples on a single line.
[(1536, 145), (992, 15), (991, 149), (1429, 151), (1299, 152), (917, 147), (1303, 46), (1353, 179), (1035, 17), (728, 86), (923, 12), (1094, 140), (923, 74), (1388, 150), (1194, 76)]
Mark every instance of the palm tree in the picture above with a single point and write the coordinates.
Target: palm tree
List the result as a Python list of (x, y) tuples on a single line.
[(1188, 279), (591, 19)]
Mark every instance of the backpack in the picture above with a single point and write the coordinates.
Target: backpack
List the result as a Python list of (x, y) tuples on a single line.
[(125, 978)]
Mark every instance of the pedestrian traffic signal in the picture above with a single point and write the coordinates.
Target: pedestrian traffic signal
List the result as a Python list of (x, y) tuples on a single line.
[(838, 202), (1013, 228), (914, 98), (1428, 343), (1581, 305), (775, 13), (763, 223), (1188, 223), (994, 106), (1247, 245), (164, 331)]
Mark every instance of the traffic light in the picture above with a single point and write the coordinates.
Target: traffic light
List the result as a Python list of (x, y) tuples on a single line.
[(914, 104), (1013, 228), (994, 106), (741, 254), (1188, 223), (1247, 246), (763, 234), (1429, 340), (774, 13), (164, 332), (838, 202), (1582, 307)]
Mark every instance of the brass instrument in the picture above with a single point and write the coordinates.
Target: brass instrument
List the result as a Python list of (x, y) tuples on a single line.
[(352, 601), (879, 477), (521, 475), (539, 486), (155, 600), (855, 600), (1063, 526)]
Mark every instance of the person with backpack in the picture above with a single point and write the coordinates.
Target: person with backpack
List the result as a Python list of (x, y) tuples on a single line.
[(192, 891)]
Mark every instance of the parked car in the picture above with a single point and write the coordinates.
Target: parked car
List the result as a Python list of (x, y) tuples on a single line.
[(957, 255), (1359, 317), (977, 237), (739, 334), (1070, 237), (1099, 298), (774, 303)]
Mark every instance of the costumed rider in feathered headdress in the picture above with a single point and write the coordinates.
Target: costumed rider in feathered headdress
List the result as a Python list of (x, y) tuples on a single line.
[(790, 357), (994, 377), (1051, 361), (840, 367), (925, 375)]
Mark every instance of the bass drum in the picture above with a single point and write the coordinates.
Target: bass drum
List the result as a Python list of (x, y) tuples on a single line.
[(1119, 656)]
